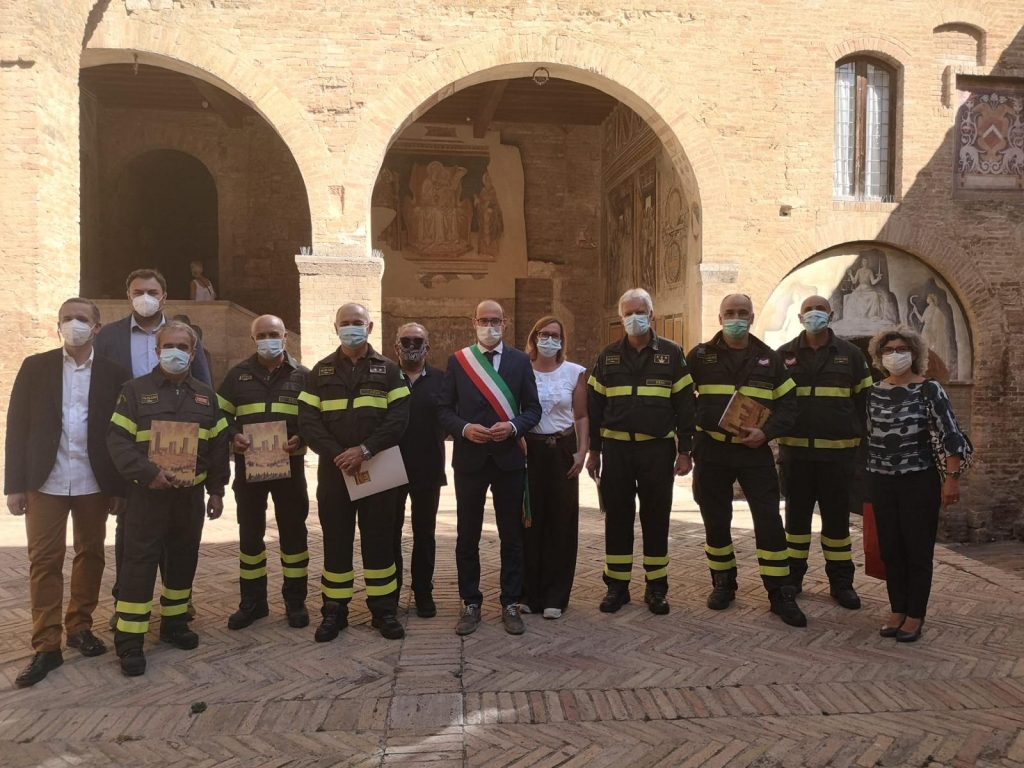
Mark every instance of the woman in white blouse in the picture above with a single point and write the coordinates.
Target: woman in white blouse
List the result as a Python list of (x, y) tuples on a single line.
[(556, 450)]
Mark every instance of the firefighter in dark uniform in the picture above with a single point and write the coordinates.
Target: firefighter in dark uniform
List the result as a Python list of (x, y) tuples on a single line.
[(817, 455), (641, 408), (164, 514), (355, 405), (265, 388), (735, 361)]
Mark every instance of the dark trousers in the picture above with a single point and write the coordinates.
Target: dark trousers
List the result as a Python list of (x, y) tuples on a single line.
[(291, 507), (826, 483), (507, 488), (158, 525), (712, 490), (119, 553), (338, 518), (631, 471), (424, 519), (551, 542), (907, 516)]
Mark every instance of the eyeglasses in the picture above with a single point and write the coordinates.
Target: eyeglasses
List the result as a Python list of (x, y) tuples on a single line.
[(549, 337), (895, 350), (494, 322), (408, 342)]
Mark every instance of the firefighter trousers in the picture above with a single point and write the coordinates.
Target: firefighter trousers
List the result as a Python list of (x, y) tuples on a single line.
[(157, 524), (826, 483)]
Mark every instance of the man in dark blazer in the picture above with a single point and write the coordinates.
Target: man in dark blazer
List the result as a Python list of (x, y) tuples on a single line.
[(488, 402), (57, 462)]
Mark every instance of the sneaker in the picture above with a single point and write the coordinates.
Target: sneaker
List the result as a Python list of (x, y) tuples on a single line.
[(657, 602), (297, 614), (512, 620), (552, 613), (335, 620), (87, 643), (723, 590), (425, 606), (41, 665), (133, 662), (180, 636), (846, 596), (389, 626), (525, 608), (469, 620), (784, 606), (615, 599), (248, 611)]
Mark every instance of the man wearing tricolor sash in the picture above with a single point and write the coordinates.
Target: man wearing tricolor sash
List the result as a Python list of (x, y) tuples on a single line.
[(488, 402)]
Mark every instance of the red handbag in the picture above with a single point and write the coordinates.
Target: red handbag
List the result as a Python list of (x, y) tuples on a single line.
[(873, 565)]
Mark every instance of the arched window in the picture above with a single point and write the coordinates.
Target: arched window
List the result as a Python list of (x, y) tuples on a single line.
[(865, 122)]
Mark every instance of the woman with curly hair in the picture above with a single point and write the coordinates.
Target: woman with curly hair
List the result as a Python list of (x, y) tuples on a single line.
[(916, 453)]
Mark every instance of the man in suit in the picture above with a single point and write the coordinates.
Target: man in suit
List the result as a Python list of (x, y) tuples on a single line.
[(131, 342), (57, 462), (488, 402)]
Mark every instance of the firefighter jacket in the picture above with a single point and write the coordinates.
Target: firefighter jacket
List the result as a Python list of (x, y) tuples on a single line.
[(638, 395), (154, 397), (251, 394), (832, 385), (346, 404), (756, 371)]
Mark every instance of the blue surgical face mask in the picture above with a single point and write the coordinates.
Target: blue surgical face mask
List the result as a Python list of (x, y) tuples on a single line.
[(815, 320), (736, 328), (353, 336), (269, 349), (548, 347), (636, 325), (174, 361)]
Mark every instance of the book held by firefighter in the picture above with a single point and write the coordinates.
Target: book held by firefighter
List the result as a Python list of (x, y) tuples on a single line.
[(741, 413), (173, 446), (266, 458)]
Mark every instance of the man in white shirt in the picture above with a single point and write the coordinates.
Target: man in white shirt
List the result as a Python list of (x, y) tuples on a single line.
[(56, 463)]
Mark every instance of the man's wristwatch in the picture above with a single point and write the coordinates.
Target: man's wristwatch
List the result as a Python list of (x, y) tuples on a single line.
[(367, 454)]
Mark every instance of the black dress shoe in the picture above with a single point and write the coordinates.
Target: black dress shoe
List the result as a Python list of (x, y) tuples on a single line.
[(38, 668), (297, 614), (909, 637), (615, 599), (87, 643), (180, 636), (388, 626), (425, 606), (657, 602), (885, 631), (847, 597), (133, 662), (247, 613)]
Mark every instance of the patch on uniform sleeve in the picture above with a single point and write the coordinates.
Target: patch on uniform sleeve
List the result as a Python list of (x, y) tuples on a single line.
[(661, 359), (790, 361), (612, 359), (325, 370), (121, 399), (149, 399), (245, 377), (841, 359), (764, 361), (378, 368), (202, 400)]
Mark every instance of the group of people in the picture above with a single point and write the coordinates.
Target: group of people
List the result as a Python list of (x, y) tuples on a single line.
[(83, 419)]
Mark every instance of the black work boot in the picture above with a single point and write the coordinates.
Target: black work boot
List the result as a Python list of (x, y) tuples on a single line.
[(133, 662), (335, 619), (784, 606), (657, 600), (179, 635), (388, 626), (297, 614), (723, 590), (615, 599), (845, 595), (248, 611)]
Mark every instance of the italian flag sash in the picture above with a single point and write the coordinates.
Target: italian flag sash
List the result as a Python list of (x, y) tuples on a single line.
[(498, 395)]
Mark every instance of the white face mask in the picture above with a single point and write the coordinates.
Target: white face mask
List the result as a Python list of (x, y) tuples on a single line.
[(897, 363), (488, 335), (75, 333), (548, 347), (636, 325), (146, 305)]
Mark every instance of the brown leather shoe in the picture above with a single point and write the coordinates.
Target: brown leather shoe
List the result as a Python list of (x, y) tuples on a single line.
[(512, 620)]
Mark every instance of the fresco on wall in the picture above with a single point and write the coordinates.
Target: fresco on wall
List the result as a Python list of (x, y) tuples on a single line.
[(872, 287), (990, 136)]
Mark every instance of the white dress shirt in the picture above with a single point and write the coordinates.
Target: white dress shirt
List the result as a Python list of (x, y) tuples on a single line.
[(72, 473), (497, 353), (144, 354)]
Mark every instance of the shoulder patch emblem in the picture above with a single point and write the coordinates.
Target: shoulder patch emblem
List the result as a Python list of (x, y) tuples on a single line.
[(149, 399), (245, 377), (202, 400), (790, 361), (764, 361), (121, 399), (661, 359), (841, 359), (378, 368), (612, 359), (325, 370)]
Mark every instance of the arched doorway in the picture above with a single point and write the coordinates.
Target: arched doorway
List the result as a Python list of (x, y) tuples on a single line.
[(546, 194)]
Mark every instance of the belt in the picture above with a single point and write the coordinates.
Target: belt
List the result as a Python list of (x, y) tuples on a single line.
[(550, 439)]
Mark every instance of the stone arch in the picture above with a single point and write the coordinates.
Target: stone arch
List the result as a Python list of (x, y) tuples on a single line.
[(518, 55), (892, 52), (243, 79)]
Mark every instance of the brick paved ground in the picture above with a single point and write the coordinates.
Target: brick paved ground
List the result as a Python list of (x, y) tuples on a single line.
[(695, 688)]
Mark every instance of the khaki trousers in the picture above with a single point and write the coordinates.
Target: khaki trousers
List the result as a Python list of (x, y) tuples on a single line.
[(46, 522)]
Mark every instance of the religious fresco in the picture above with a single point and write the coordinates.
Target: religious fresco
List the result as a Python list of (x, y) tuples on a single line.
[(989, 142), (872, 287)]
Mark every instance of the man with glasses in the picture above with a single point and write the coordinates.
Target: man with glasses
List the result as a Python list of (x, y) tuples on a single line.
[(488, 403), (422, 448), (355, 405)]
